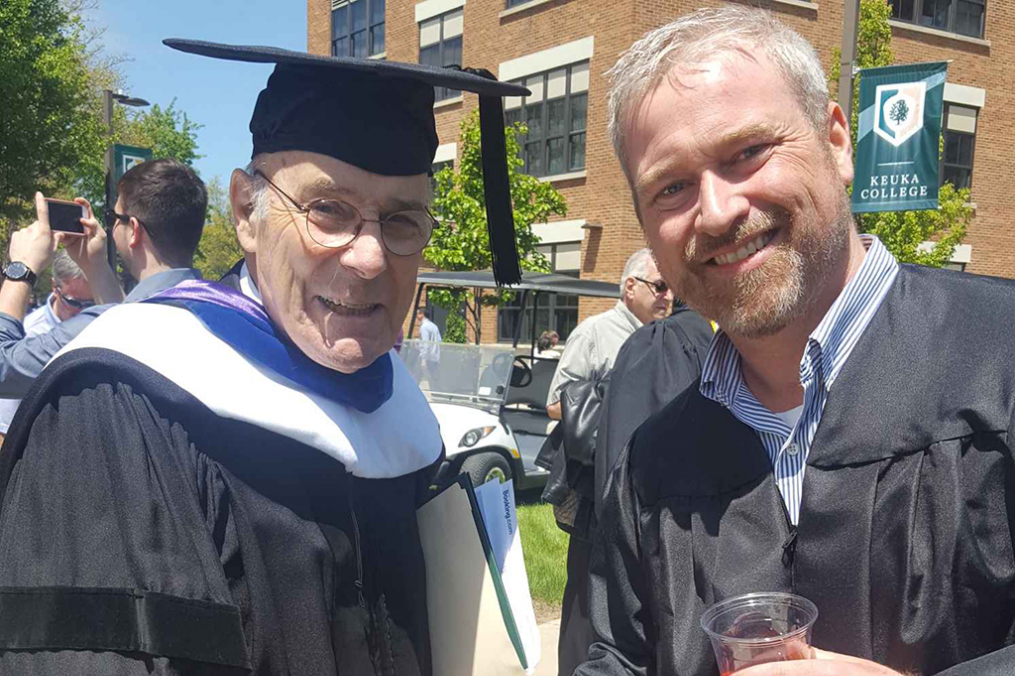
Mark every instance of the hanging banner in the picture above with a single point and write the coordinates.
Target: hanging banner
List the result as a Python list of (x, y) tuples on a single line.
[(126, 158), (897, 138)]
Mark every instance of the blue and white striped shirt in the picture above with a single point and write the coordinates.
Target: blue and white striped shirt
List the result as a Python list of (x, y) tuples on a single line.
[(828, 348)]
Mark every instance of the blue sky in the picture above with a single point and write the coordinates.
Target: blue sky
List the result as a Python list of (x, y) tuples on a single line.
[(218, 94)]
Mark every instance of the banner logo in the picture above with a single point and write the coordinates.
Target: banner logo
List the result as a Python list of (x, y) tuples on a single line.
[(898, 111)]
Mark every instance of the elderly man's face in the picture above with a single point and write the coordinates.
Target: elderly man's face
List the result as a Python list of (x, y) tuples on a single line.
[(741, 198), (343, 307)]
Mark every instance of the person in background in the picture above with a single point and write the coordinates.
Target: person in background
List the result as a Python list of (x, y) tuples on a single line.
[(71, 294), (156, 224), (429, 347), (589, 355), (850, 436), (547, 344)]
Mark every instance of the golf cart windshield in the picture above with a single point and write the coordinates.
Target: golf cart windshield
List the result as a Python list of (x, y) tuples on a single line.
[(477, 374)]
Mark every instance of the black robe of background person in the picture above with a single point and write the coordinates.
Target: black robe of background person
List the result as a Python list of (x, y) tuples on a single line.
[(141, 533), (655, 364), (907, 522)]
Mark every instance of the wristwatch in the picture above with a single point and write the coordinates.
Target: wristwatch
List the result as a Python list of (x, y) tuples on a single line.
[(19, 272)]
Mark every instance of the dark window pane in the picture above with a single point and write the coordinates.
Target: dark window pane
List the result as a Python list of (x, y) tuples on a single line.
[(966, 150), (556, 165), (557, 111), (577, 162), (515, 3), (902, 9), (376, 12), (960, 177), (512, 116), (377, 40), (534, 158), (969, 18), (935, 13), (340, 47), (359, 15), (360, 48), (453, 57), (534, 119), (564, 322), (579, 111), (951, 148), (430, 56), (340, 22)]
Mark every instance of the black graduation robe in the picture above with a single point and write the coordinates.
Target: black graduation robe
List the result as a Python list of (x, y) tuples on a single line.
[(906, 529), (141, 533)]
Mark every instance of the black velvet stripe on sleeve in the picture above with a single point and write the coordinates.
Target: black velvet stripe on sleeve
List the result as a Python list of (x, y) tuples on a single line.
[(124, 620)]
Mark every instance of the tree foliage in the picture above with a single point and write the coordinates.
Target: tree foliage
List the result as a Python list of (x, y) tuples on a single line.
[(903, 232), (461, 241), (218, 249)]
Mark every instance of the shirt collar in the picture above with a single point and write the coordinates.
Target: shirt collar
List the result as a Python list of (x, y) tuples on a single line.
[(50, 314), (247, 285), (160, 281), (628, 315), (828, 345)]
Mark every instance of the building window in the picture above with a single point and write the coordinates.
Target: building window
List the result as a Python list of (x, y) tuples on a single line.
[(555, 114), (440, 44), (357, 28), (964, 17), (554, 311), (515, 3), (960, 142), (436, 167)]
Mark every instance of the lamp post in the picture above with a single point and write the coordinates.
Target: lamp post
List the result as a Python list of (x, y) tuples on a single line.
[(112, 97), (847, 62)]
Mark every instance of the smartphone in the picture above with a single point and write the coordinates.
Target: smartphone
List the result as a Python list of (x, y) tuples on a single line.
[(66, 216)]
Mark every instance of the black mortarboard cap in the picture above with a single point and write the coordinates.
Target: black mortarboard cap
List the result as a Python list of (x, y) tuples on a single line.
[(376, 115)]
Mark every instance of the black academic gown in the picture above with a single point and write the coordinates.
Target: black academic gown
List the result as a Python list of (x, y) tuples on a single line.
[(906, 529), (140, 533)]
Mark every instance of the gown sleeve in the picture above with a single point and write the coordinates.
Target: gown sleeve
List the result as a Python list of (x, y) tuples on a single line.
[(618, 597), (109, 562)]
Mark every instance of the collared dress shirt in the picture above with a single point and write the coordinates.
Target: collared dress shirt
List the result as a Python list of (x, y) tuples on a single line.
[(592, 347), (23, 356), (828, 348)]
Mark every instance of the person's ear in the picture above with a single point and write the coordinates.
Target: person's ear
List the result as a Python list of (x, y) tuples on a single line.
[(136, 233), (840, 142), (241, 193)]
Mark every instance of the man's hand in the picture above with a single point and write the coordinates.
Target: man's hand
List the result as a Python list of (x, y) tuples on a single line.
[(825, 663), (88, 250), (35, 245)]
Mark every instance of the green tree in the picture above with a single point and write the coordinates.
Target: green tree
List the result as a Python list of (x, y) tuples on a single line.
[(461, 241), (902, 232), (47, 122), (218, 249)]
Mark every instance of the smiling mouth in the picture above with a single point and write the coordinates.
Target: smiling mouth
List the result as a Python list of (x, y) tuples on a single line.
[(751, 247), (348, 309)]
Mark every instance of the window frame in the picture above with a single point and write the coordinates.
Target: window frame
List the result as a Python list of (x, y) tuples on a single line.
[(945, 130), (568, 133), (369, 30), (443, 93), (953, 11), (505, 332)]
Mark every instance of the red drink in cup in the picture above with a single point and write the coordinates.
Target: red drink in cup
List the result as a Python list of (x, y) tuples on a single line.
[(758, 628)]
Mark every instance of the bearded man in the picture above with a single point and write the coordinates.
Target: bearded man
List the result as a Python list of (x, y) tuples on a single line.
[(849, 438), (220, 481)]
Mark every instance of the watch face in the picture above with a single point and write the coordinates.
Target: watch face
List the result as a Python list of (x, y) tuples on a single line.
[(16, 271)]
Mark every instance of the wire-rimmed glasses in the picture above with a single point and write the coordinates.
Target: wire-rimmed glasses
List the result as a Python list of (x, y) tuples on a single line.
[(333, 223)]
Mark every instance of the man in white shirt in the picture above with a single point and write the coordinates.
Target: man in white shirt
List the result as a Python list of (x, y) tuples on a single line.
[(71, 294)]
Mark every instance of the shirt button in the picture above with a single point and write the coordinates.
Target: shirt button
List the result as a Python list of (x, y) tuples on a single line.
[(792, 449)]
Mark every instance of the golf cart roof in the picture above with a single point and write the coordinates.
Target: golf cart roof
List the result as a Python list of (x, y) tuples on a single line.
[(531, 281)]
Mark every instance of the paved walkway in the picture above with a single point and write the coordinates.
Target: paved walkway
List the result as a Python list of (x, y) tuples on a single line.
[(549, 632)]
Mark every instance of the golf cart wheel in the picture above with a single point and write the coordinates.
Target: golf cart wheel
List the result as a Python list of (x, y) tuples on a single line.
[(485, 467)]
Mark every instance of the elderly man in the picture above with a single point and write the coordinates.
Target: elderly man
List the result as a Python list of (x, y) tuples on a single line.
[(849, 438), (589, 355), (222, 481)]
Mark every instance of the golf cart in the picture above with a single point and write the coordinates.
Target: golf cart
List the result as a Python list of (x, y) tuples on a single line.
[(490, 400)]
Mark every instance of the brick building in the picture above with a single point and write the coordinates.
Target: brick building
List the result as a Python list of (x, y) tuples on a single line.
[(561, 49)]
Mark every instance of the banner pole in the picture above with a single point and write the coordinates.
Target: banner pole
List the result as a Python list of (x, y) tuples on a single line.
[(850, 28)]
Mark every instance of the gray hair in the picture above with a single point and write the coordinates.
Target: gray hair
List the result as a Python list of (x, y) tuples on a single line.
[(65, 269), (706, 32), (636, 266)]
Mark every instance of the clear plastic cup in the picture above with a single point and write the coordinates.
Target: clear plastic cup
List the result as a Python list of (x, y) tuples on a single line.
[(758, 628)]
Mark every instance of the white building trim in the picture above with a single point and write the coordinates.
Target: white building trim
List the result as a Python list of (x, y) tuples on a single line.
[(559, 231), (963, 252), (548, 59), (446, 152), (431, 8), (965, 95)]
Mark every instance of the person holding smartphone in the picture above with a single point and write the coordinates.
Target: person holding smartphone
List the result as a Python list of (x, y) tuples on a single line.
[(156, 224)]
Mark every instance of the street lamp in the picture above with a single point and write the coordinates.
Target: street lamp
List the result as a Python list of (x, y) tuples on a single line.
[(107, 114)]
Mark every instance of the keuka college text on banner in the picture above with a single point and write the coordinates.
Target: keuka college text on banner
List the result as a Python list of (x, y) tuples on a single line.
[(898, 133)]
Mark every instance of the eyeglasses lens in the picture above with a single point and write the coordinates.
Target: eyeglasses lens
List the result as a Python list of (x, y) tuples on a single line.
[(333, 223)]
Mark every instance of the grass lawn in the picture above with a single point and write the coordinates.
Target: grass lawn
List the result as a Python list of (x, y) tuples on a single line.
[(545, 547)]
